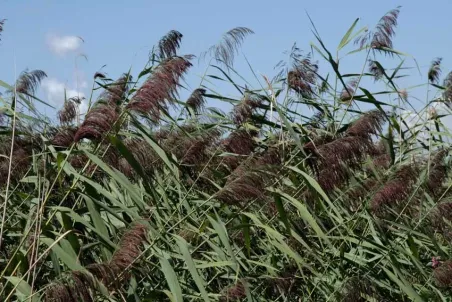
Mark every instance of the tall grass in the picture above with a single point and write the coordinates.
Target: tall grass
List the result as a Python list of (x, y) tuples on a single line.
[(313, 187)]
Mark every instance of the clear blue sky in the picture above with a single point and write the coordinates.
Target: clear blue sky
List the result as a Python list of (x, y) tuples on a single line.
[(120, 33)]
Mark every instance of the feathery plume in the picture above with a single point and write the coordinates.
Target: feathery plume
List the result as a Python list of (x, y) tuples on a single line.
[(437, 173), (21, 158), (432, 113), (243, 111), (396, 189), (196, 101), (447, 94), (348, 90), (440, 218), (195, 150), (435, 71), (381, 157), (225, 50), (169, 44), (367, 125), (115, 92), (381, 38), (99, 75), (403, 94), (160, 87), (104, 114), (2, 23), (443, 274), (376, 69), (234, 293), (145, 156), (97, 123), (303, 77), (333, 161), (61, 293), (28, 81), (239, 142), (68, 113), (248, 181), (83, 286), (64, 137)]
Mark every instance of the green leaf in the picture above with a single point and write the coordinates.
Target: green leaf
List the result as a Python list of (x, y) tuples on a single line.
[(200, 283), (98, 222), (66, 257), (23, 288), (118, 176), (78, 218), (346, 39), (405, 287), (282, 211), (222, 233), (171, 278)]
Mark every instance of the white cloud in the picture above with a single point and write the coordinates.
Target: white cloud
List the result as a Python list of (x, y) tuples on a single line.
[(55, 89), (62, 45), (418, 121), (83, 107)]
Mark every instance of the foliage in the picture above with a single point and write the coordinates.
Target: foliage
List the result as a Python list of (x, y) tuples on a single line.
[(312, 189)]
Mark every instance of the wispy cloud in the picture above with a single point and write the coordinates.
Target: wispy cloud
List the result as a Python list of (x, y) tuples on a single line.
[(54, 91), (62, 45)]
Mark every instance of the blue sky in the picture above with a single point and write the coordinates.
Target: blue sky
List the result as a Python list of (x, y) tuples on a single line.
[(120, 34)]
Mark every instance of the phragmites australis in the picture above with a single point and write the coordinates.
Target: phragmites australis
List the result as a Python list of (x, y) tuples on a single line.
[(98, 122), (440, 219), (381, 38), (82, 287), (243, 111), (395, 190), (192, 146), (169, 44), (103, 115), (143, 154), (443, 274), (303, 77), (437, 173), (64, 137), (334, 160), (28, 81), (403, 94), (376, 70), (2, 23), (68, 113), (239, 143), (115, 92), (234, 293), (248, 181), (434, 71), (196, 101), (224, 52), (381, 158), (21, 157), (195, 149), (367, 125), (160, 88), (349, 90), (447, 94)]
